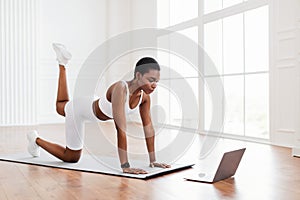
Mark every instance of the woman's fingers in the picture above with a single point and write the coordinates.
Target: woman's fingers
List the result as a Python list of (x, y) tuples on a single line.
[(162, 165), (134, 171), (141, 171)]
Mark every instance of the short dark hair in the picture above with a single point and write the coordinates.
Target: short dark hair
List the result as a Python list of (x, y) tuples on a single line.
[(145, 64)]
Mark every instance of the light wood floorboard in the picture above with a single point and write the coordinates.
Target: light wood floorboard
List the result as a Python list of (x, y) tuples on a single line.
[(266, 172)]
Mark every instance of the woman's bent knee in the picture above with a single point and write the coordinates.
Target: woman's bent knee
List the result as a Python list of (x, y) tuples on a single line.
[(71, 160), (60, 108), (72, 156)]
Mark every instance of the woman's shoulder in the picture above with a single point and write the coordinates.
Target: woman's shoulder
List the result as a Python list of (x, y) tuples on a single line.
[(118, 86), (118, 83)]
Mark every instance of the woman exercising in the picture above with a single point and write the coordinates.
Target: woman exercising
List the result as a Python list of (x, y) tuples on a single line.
[(121, 99)]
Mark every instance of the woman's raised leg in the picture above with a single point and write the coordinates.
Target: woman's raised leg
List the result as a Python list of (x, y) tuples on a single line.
[(35, 142), (62, 91), (63, 56)]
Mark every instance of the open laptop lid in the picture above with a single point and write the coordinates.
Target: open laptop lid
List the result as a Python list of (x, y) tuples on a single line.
[(227, 168), (229, 164)]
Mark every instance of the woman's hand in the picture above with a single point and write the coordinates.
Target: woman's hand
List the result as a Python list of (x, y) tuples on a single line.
[(134, 171), (161, 165)]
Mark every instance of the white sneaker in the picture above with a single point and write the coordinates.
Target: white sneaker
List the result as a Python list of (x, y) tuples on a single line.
[(62, 55), (32, 147)]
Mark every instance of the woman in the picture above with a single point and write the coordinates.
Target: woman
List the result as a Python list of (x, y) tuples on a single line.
[(121, 99)]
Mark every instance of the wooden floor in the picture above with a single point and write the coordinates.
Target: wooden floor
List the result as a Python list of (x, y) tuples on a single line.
[(266, 172)]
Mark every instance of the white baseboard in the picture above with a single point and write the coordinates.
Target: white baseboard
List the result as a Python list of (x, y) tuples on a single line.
[(296, 151)]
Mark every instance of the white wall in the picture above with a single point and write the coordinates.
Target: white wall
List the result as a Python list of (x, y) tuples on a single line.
[(124, 16), (29, 72), (285, 71), (81, 26)]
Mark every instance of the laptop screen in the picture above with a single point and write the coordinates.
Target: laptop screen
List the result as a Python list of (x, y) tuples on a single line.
[(229, 164)]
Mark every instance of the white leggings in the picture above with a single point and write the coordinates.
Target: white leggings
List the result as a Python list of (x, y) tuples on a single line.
[(77, 112)]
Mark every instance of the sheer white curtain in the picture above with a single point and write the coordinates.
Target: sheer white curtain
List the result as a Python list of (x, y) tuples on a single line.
[(18, 62)]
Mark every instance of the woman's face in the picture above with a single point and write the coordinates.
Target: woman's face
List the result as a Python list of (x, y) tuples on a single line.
[(148, 81)]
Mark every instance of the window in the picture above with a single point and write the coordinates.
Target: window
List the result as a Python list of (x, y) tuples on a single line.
[(170, 13), (237, 41), (242, 61), (183, 72), (238, 44), (215, 5)]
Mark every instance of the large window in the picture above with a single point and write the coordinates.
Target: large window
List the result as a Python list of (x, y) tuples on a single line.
[(235, 35), (182, 71), (238, 45)]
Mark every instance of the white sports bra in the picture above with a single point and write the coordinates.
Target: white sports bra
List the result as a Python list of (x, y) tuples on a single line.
[(106, 106)]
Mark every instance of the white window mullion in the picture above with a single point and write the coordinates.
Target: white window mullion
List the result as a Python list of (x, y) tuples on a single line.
[(233, 10)]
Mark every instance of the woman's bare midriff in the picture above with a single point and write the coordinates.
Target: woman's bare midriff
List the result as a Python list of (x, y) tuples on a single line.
[(98, 113)]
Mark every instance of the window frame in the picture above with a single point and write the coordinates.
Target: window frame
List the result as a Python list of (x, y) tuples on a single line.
[(203, 19)]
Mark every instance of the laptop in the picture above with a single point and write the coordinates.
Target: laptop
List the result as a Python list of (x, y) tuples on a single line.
[(227, 168)]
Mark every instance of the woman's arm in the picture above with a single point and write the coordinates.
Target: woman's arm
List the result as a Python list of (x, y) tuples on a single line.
[(118, 102), (148, 127), (149, 131)]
